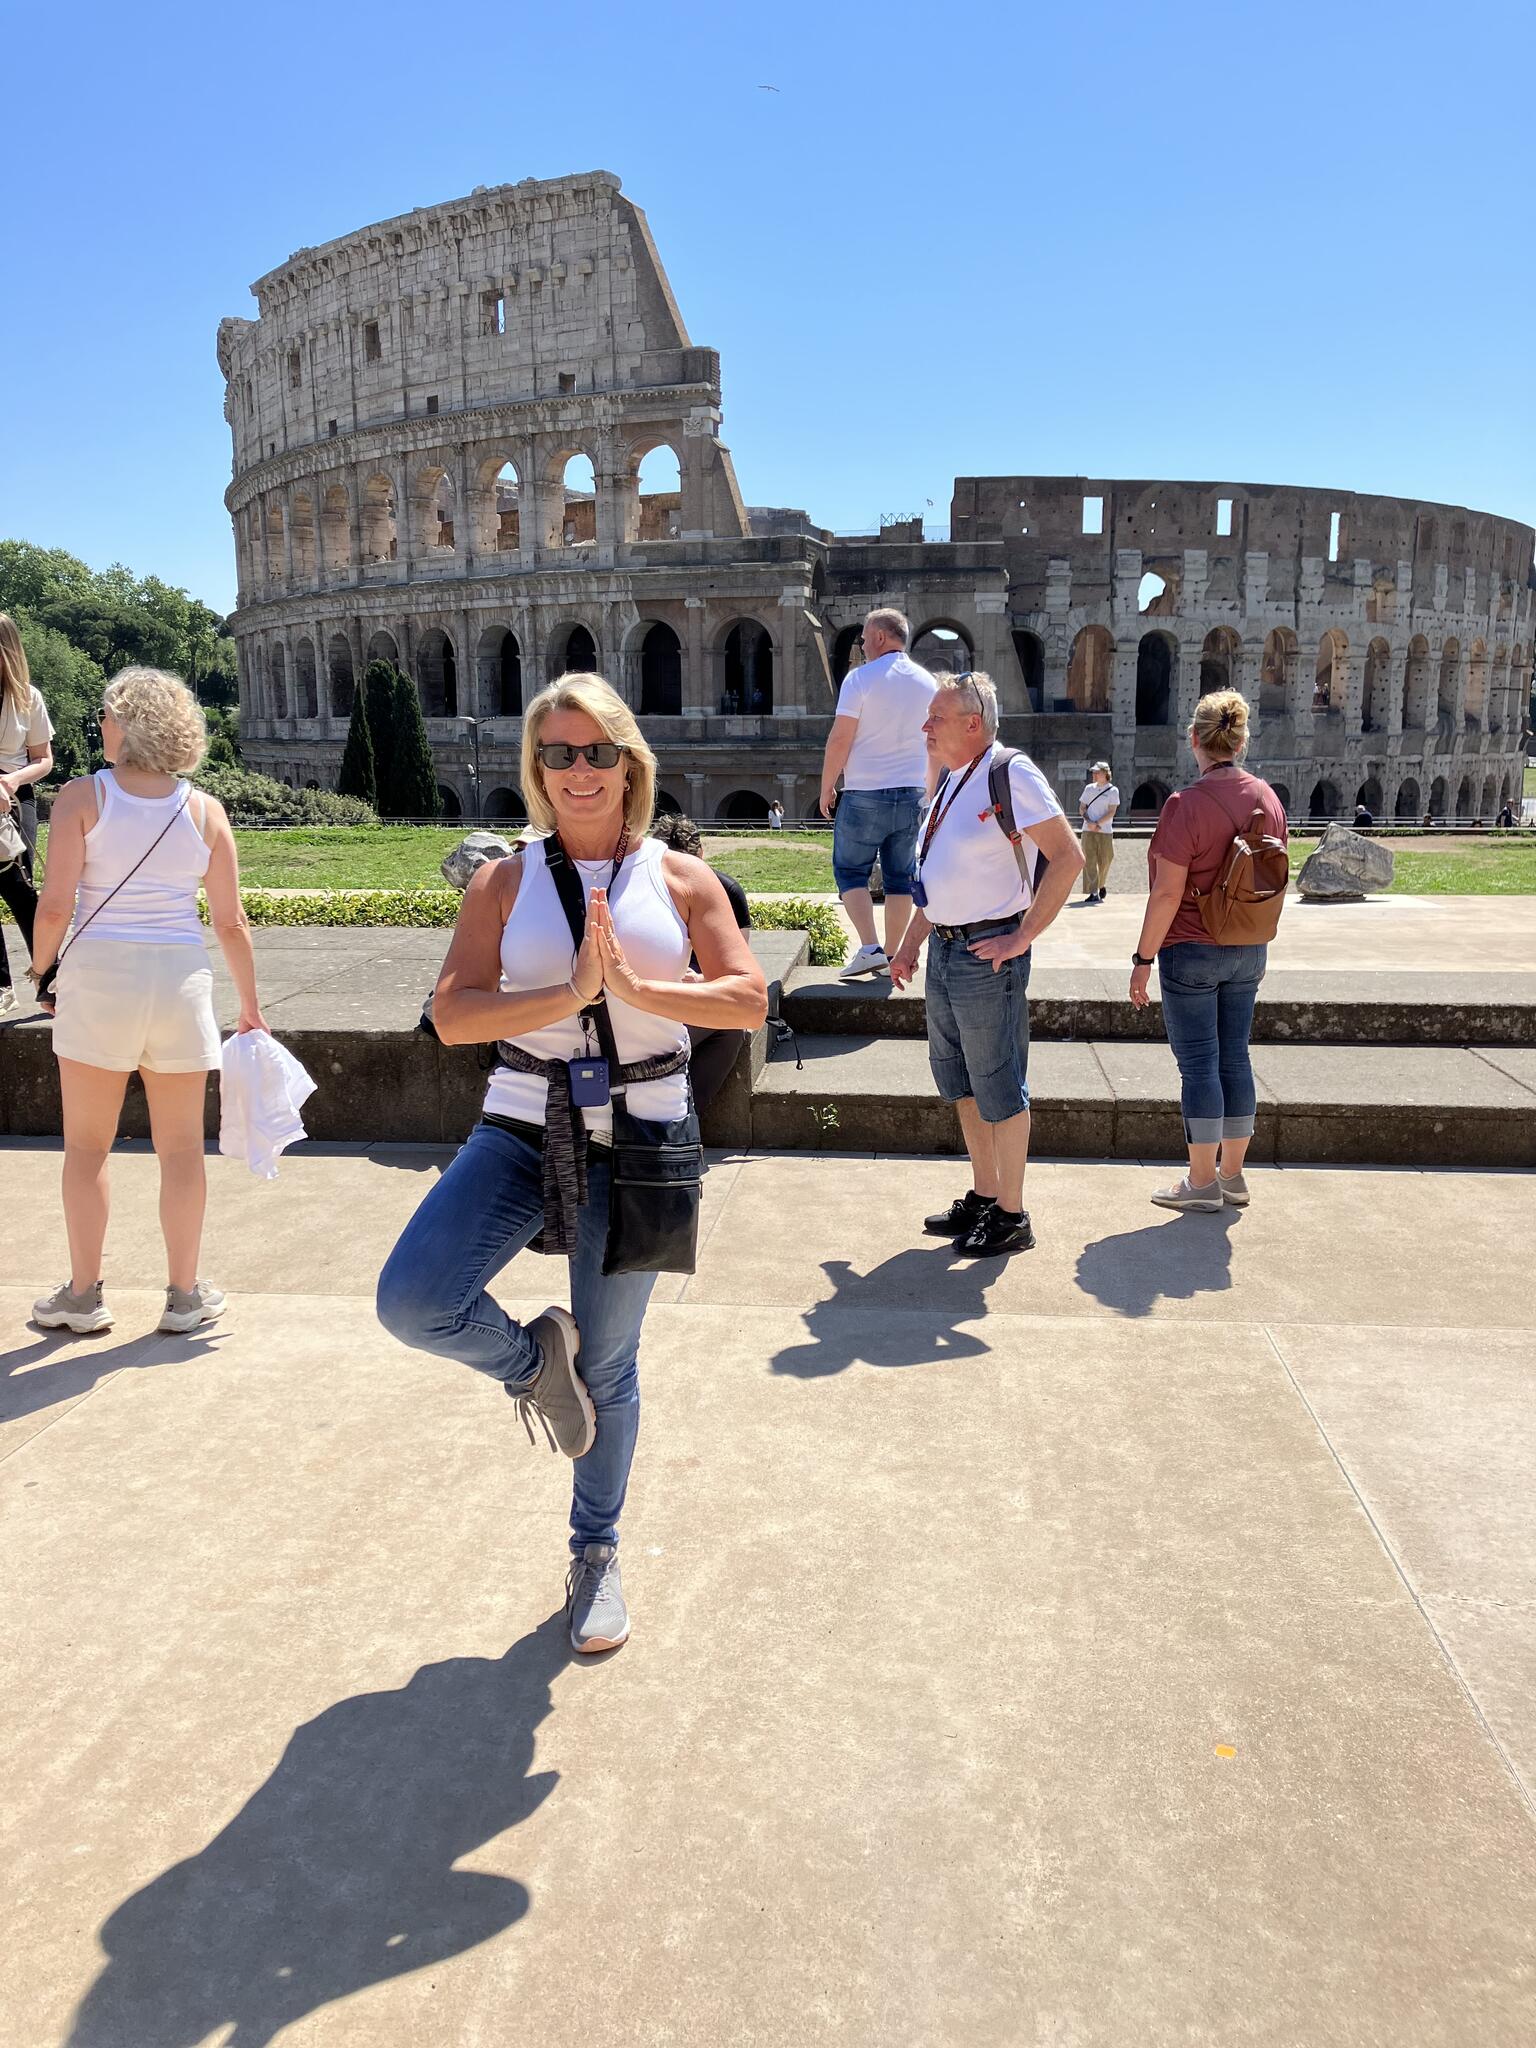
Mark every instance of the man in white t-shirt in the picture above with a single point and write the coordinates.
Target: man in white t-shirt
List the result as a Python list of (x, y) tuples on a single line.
[(876, 745), (977, 896), (1097, 807)]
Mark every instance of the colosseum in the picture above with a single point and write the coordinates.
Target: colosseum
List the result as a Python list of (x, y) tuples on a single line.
[(477, 441)]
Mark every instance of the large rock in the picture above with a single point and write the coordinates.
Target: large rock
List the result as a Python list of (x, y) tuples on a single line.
[(1346, 865), (472, 853)]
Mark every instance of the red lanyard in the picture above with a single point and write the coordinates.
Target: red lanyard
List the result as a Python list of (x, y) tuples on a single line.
[(936, 817)]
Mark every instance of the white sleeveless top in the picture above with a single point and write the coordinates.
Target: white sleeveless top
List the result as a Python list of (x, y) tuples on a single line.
[(536, 952), (159, 903)]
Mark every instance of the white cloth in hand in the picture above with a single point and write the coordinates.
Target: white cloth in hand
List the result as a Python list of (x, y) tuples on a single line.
[(261, 1090)]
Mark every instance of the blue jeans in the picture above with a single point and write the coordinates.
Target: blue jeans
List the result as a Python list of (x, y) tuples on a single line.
[(432, 1295), (1208, 996), (876, 823), (978, 1028)]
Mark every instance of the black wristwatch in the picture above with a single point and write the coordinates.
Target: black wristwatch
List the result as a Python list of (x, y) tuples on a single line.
[(1137, 961)]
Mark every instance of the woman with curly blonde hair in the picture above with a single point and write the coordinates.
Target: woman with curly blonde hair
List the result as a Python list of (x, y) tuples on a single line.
[(128, 850), (26, 756)]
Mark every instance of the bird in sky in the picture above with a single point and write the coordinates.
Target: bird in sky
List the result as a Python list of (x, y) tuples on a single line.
[(767, 88)]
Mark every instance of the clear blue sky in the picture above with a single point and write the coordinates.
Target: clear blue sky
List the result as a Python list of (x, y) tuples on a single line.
[(1285, 243)]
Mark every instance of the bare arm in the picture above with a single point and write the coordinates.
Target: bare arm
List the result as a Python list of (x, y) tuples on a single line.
[(1057, 841), (73, 816), (1162, 907), (39, 765), (469, 1006), (226, 912), (730, 994), (904, 959), (835, 760)]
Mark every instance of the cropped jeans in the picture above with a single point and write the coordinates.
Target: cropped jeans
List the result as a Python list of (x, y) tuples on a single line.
[(433, 1296), (1208, 994)]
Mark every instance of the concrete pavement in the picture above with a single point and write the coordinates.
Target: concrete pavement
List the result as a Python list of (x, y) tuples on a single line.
[(1131, 1644)]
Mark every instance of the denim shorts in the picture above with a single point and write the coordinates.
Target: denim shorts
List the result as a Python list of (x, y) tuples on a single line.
[(876, 823), (978, 1028)]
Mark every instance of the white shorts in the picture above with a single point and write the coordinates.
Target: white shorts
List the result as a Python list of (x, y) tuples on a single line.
[(128, 1003)]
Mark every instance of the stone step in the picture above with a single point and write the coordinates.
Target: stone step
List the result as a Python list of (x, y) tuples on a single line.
[(1385, 1106), (1296, 1007)]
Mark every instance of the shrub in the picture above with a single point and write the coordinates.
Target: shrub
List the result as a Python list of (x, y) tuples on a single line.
[(257, 800), (829, 943)]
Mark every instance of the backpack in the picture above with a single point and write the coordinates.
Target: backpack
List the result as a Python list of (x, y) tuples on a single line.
[(1000, 789), (1242, 907)]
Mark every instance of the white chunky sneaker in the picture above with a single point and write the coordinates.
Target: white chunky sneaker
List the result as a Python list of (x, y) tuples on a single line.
[(189, 1308), (867, 960), (84, 1313)]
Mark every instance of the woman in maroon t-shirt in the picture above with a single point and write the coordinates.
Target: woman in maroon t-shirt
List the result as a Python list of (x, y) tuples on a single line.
[(1208, 991)]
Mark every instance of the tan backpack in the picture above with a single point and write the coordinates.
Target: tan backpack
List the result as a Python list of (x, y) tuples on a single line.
[(1242, 907)]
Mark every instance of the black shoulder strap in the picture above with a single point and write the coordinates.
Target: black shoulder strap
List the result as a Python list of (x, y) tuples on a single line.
[(1000, 789), (573, 901)]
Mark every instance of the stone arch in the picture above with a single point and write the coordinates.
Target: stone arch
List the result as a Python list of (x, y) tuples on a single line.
[(1439, 797), (746, 669), (1283, 793), (1220, 656), (1324, 800), (668, 805), (301, 514), (1373, 698), (448, 797), (1148, 798), (1476, 713), (336, 527), (1445, 700), (1030, 649), (847, 652), (1464, 799), (380, 537), (499, 674), (1090, 668), (572, 497), (1488, 804), (654, 507), (498, 505), (277, 566), (1370, 794), (436, 511), (506, 802), (1331, 672), (742, 807), (1408, 802), (1416, 685), (1157, 659), (437, 674), (306, 688), (279, 679), (1498, 696), (383, 647), (661, 672), (1277, 674), (943, 647), (340, 675), (1506, 794), (573, 650)]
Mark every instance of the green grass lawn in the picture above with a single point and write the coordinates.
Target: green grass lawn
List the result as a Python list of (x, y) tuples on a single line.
[(346, 857)]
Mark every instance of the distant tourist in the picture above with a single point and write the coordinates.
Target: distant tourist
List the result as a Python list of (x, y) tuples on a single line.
[(1428, 818), (876, 746), (976, 904), (128, 849), (26, 757), (1208, 989), (1364, 818), (1506, 818), (1097, 807), (775, 816), (714, 1052), (541, 1163)]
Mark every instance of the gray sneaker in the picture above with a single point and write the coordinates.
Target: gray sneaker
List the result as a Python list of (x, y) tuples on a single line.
[(1234, 1189), (594, 1600), (557, 1394), (1183, 1196), (84, 1313), (188, 1308)]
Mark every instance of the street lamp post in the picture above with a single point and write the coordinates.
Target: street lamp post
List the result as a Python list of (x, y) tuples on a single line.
[(474, 733)]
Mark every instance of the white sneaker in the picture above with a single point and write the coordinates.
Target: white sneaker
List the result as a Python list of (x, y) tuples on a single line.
[(84, 1313), (8, 1000), (1183, 1196), (867, 960), (201, 1303)]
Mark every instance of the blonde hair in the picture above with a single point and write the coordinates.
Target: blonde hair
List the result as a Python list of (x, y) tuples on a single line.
[(1220, 725), (15, 675), (982, 692), (599, 701), (162, 725)]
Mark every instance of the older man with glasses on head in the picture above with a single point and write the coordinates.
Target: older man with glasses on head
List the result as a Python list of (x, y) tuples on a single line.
[(984, 898), (876, 745)]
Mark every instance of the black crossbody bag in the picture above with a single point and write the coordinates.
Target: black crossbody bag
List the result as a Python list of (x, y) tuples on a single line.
[(657, 1181)]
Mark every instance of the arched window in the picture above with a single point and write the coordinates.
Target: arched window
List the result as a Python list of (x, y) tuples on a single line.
[(1408, 801), (574, 518), (382, 647), (1283, 793), (747, 661), (449, 799), (573, 652), (944, 648), (661, 673), (1329, 674), (437, 674), (279, 680), (1155, 659), (277, 565), (338, 663), (1477, 687), (499, 674), (847, 652), (302, 510), (439, 508), (1369, 794), (1450, 662), (1277, 675), (1498, 696), (1373, 701), (1488, 804), (506, 803), (743, 807), (1148, 798), (659, 483), (1324, 801), (1439, 796), (667, 804), (503, 501), (1464, 798), (1218, 660), (1089, 669), (335, 525), (1030, 649), (305, 682), (1154, 596), (379, 538), (1416, 685)]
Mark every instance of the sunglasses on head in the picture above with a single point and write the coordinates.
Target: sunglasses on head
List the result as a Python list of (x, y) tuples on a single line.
[(601, 754)]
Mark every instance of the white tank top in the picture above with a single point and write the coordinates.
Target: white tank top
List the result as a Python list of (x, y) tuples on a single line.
[(536, 952), (158, 904)]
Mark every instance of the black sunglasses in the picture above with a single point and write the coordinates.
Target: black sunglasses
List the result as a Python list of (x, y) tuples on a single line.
[(601, 753)]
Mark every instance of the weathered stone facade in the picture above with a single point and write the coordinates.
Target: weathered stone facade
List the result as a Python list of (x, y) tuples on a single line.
[(405, 412)]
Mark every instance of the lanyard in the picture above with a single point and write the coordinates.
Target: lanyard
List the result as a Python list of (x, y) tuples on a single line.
[(936, 816), (620, 854)]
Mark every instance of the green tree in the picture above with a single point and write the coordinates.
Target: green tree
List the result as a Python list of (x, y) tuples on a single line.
[(415, 790), (357, 777), (70, 683), (378, 695)]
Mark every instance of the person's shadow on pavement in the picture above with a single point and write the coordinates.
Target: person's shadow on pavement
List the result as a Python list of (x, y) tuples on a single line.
[(56, 1365), (338, 1872), (915, 1300), (1172, 1261)]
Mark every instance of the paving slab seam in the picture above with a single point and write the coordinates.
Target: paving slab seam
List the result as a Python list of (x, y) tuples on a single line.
[(682, 1292), (1524, 1790), (1478, 1052)]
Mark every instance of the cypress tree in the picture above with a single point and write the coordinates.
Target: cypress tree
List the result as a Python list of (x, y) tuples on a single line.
[(357, 777), (415, 790), (377, 697)]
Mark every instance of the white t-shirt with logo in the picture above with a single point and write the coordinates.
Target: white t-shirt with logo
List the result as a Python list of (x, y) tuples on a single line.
[(890, 698), (971, 873), (1097, 805), (33, 729)]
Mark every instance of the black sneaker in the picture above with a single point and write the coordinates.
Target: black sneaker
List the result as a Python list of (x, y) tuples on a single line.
[(997, 1231), (959, 1219), (1102, 894)]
